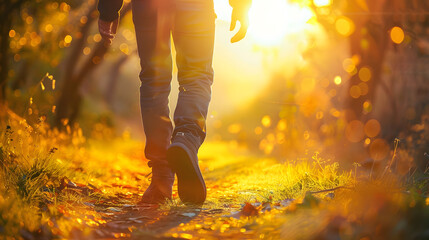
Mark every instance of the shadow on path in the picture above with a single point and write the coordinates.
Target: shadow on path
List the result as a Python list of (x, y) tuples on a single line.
[(145, 221)]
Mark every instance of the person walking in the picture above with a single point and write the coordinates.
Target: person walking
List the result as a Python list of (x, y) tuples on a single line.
[(191, 26)]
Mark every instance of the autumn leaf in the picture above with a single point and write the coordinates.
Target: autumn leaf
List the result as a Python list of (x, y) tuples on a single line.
[(249, 210)]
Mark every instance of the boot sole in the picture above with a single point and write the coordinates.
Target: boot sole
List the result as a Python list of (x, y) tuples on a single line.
[(190, 182)]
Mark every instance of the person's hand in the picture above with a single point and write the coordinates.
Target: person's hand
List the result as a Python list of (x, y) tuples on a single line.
[(242, 17), (108, 29)]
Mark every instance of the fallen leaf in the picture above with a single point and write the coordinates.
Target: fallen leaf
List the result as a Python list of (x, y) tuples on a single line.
[(249, 210)]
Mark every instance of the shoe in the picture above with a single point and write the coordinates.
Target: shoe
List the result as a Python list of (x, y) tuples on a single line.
[(161, 186), (183, 159)]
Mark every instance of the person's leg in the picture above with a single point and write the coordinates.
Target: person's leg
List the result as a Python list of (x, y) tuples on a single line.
[(153, 41), (193, 35)]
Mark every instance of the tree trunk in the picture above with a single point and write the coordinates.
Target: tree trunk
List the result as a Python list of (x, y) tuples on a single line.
[(70, 100), (7, 12), (68, 76), (4, 57)]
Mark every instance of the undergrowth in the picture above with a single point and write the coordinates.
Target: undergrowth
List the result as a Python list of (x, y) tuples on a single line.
[(32, 176)]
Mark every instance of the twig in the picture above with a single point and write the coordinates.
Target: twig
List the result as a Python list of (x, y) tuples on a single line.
[(395, 148), (330, 190)]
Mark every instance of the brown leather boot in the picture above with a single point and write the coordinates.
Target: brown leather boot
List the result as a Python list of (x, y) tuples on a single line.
[(161, 186)]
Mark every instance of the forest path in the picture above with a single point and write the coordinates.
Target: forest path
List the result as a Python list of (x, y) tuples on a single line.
[(247, 195), (124, 216)]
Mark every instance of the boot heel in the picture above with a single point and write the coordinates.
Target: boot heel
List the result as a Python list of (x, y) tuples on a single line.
[(190, 182)]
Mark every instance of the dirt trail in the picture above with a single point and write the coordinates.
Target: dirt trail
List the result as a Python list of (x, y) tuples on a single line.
[(122, 216), (247, 198), (129, 218), (151, 222)]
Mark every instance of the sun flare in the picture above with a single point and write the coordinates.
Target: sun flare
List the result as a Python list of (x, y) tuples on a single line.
[(270, 20)]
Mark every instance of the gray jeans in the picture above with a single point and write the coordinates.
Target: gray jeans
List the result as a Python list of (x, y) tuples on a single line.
[(191, 24)]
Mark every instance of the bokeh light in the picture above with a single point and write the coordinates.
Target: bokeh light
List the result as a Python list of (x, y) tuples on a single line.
[(234, 128), (372, 128), (355, 91), (12, 33), (266, 121), (282, 125), (397, 35), (355, 131), (337, 80), (49, 28), (349, 65), (367, 107), (365, 74), (68, 39), (344, 26), (258, 130)]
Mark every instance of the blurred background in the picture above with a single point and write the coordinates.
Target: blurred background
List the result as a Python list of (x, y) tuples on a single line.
[(346, 78)]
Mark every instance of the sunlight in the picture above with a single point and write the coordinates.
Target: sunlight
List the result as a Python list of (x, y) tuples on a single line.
[(322, 3), (272, 20), (279, 33)]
